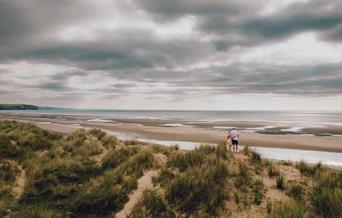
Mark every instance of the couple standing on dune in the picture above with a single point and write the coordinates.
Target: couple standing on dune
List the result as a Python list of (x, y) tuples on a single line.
[(233, 134)]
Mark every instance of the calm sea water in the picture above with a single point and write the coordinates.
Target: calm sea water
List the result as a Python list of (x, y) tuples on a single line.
[(327, 158), (301, 118)]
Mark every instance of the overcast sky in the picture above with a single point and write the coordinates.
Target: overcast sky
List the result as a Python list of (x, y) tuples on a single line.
[(172, 54)]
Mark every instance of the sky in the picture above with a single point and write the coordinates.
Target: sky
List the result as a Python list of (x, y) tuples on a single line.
[(172, 54)]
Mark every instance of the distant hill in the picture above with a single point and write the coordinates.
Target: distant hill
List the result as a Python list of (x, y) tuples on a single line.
[(25, 107), (18, 107)]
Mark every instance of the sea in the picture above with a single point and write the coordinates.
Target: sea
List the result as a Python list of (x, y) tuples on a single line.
[(287, 118), (292, 119)]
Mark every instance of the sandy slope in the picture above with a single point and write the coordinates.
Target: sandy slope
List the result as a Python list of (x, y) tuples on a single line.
[(144, 182), (19, 187)]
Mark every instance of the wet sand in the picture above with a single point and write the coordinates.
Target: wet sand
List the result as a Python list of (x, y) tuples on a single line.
[(152, 130)]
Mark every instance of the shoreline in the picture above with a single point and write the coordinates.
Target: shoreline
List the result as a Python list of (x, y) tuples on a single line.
[(181, 133), (267, 127)]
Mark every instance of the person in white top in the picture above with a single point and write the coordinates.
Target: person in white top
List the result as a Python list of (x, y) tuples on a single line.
[(233, 134)]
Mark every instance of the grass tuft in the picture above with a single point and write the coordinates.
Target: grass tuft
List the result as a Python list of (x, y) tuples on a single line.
[(30, 211), (326, 196), (221, 151), (280, 182), (272, 171), (255, 157), (8, 173), (165, 176), (101, 196), (199, 187), (109, 141), (98, 133), (246, 150), (151, 205), (242, 178), (293, 209), (193, 158), (295, 191), (307, 170), (117, 156), (258, 186)]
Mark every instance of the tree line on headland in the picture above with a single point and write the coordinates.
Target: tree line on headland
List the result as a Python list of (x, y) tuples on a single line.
[(18, 107)]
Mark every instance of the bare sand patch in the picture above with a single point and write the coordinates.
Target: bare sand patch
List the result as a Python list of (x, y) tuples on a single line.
[(144, 182), (20, 180), (160, 158)]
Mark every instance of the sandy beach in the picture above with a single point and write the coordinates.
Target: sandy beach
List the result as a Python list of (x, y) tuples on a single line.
[(155, 129)]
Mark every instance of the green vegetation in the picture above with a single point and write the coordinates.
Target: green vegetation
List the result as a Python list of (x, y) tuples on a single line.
[(109, 141), (165, 176), (91, 174), (25, 107), (189, 159), (255, 157), (246, 150), (102, 195), (7, 177), (57, 180), (327, 194), (201, 183), (293, 209), (280, 182), (307, 170), (295, 191), (98, 133), (272, 171), (152, 205), (17, 140), (64, 177), (243, 178), (115, 157), (18, 107), (256, 162), (257, 189), (31, 211)]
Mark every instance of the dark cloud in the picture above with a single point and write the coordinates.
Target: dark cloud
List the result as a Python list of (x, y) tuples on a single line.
[(123, 85), (59, 81), (304, 79), (319, 79), (56, 82), (33, 19), (67, 74), (55, 86), (297, 18), (174, 9), (241, 18), (122, 48), (140, 61), (28, 28)]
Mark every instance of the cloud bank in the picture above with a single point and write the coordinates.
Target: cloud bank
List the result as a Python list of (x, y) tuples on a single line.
[(166, 51)]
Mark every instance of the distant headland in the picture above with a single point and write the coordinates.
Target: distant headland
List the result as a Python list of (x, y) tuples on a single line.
[(25, 107)]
